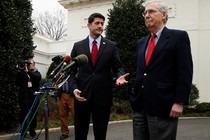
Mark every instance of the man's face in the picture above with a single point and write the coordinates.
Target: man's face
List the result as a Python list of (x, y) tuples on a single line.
[(31, 66), (153, 17), (96, 27)]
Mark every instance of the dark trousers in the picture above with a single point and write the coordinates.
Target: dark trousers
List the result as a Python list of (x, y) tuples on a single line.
[(32, 126), (146, 127), (100, 118)]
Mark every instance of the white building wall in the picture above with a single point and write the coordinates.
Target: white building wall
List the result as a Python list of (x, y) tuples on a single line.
[(189, 15), (45, 50), (41, 55), (203, 57), (77, 23)]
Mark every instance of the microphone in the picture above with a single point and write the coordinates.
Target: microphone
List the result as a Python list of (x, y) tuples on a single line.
[(65, 61), (79, 60), (65, 74), (57, 59)]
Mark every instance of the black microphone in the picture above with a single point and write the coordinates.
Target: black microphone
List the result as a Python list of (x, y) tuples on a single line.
[(60, 67), (65, 62), (79, 60), (57, 59)]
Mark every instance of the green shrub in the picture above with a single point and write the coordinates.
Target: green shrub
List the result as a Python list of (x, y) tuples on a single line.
[(126, 26), (194, 95), (207, 114), (45, 80), (16, 31), (203, 107), (121, 107)]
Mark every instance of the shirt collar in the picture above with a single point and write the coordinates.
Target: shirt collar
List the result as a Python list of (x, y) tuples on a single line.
[(159, 32), (98, 40)]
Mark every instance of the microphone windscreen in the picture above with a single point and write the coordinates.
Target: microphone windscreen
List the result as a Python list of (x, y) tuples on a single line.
[(82, 59), (57, 58), (67, 59)]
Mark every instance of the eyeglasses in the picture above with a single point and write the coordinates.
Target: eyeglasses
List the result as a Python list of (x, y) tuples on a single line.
[(150, 12)]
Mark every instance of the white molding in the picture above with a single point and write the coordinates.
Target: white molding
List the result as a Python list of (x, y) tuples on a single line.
[(78, 4)]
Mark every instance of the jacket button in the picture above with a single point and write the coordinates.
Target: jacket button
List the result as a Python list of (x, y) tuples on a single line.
[(142, 86), (145, 74)]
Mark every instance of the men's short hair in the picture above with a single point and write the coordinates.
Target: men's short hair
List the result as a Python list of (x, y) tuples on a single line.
[(95, 15), (31, 60)]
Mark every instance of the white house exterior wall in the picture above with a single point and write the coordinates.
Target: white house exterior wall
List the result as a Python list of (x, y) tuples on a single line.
[(77, 23), (203, 56), (189, 15)]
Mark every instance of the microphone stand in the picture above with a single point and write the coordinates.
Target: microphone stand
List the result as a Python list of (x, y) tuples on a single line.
[(46, 90), (46, 112)]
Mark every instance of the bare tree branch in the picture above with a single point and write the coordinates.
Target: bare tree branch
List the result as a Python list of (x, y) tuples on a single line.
[(51, 25)]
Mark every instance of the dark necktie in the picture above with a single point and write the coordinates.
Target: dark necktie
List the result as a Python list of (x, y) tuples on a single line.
[(150, 49), (94, 52)]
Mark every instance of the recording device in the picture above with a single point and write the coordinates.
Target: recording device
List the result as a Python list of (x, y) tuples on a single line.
[(22, 64), (65, 74), (60, 67), (77, 61), (57, 59), (62, 72), (47, 88)]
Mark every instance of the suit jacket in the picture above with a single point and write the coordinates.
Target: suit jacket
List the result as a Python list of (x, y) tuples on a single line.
[(96, 81), (167, 78)]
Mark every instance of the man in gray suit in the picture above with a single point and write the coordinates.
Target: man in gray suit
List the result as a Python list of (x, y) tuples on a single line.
[(93, 83), (163, 81)]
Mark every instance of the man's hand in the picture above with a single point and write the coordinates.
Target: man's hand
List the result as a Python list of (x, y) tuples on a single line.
[(26, 69), (78, 97), (121, 80), (176, 110)]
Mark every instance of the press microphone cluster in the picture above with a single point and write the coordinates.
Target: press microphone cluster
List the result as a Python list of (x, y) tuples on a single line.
[(55, 73), (75, 62), (66, 72)]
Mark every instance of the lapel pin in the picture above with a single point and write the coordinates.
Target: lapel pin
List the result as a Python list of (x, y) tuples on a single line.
[(104, 43)]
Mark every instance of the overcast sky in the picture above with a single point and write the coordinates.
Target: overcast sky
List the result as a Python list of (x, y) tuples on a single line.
[(40, 6)]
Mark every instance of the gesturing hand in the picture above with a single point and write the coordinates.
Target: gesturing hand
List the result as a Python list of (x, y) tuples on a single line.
[(77, 95), (121, 80)]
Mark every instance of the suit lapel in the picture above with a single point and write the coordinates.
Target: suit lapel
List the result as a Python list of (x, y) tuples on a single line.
[(142, 50), (101, 49), (160, 44), (87, 48)]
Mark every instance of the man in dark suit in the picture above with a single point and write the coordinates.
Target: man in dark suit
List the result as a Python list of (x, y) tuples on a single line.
[(163, 82), (93, 82)]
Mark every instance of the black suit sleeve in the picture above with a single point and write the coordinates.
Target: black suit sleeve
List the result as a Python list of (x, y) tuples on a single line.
[(116, 63), (184, 69)]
